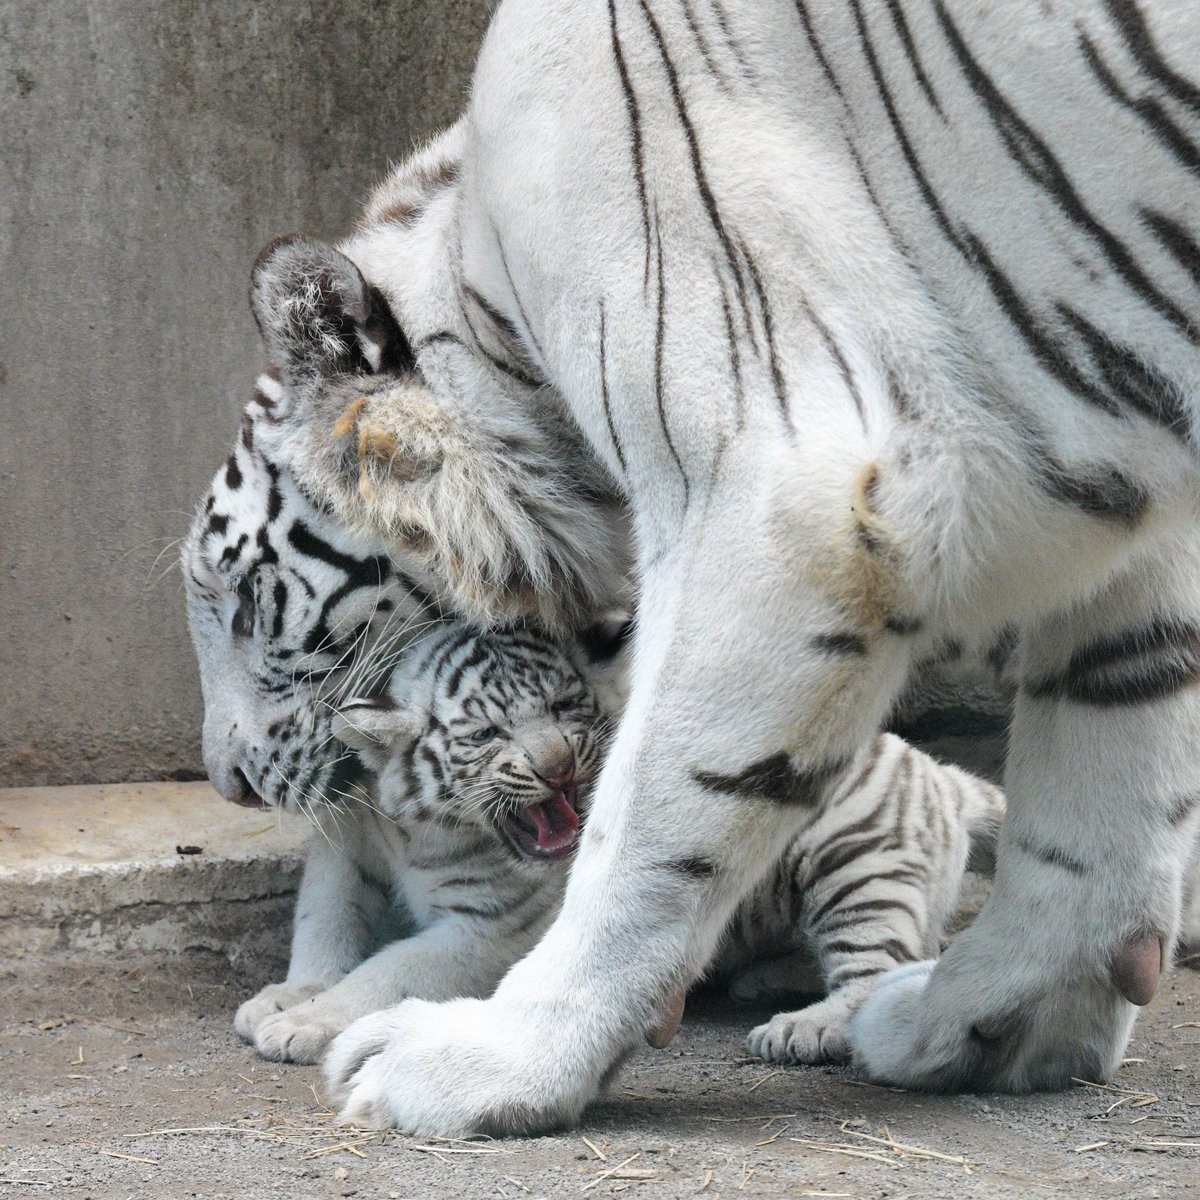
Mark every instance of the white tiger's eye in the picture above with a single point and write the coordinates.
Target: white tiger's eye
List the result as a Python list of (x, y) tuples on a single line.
[(564, 706), (242, 624), (483, 735)]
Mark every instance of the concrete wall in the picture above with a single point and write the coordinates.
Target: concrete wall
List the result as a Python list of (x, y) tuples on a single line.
[(147, 151)]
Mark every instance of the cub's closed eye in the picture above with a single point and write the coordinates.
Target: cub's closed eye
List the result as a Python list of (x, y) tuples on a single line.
[(483, 735), (565, 705)]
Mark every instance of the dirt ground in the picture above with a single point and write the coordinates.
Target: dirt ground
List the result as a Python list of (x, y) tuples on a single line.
[(122, 1077)]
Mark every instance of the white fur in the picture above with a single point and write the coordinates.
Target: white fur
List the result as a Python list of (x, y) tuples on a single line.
[(828, 418), (410, 889)]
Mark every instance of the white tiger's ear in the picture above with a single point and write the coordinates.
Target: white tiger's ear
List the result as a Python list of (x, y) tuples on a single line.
[(376, 728), (314, 308)]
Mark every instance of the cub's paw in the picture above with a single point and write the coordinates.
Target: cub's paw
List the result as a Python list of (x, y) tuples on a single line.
[(458, 1068), (975, 1022), (819, 1033), (299, 1034), (273, 999)]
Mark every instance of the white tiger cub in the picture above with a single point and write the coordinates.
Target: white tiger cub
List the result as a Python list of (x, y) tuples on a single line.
[(883, 319), (484, 747)]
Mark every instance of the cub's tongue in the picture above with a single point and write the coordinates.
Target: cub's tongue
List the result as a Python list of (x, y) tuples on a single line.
[(557, 823)]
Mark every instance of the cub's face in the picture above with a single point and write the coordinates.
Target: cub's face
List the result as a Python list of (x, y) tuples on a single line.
[(499, 731), (287, 612)]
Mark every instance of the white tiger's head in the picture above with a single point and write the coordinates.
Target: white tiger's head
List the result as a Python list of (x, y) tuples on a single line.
[(500, 732), (290, 610)]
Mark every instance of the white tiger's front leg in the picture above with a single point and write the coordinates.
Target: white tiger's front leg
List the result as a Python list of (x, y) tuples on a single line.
[(1103, 784), (733, 732)]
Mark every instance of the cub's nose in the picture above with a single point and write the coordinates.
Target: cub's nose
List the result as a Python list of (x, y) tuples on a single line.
[(556, 775)]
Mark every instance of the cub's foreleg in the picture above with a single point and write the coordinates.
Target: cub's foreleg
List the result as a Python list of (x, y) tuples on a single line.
[(341, 915), (1103, 782), (459, 955)]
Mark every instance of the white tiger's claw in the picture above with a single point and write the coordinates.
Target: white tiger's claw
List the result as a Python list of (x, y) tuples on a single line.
[(660, 1034), (1137, 966)]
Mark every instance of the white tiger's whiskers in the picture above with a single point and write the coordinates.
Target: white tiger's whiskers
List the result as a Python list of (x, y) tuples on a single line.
[(305, 804), (359, 795)]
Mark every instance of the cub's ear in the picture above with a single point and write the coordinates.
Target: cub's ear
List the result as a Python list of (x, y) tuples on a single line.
[(315, 309), (607, 635), (376, 729)]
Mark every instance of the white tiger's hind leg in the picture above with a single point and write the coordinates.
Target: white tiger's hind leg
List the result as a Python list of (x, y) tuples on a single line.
[(1103, 784)]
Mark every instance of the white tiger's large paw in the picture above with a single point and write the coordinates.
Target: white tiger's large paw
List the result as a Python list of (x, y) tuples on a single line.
[(983, 1018), (817, 1034), (457, 1068), (273, 999)]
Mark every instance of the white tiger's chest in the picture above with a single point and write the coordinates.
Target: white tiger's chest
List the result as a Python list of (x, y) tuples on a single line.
[(435, 868)]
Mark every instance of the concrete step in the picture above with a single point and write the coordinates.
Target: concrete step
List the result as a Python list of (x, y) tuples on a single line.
[(145, 866), (165, 866)]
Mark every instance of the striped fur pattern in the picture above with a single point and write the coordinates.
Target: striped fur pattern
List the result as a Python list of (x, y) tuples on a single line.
[(868, 885), (422, 880), (475, 732), (289, 613), (482, 749), (293, 607), (883, 319)]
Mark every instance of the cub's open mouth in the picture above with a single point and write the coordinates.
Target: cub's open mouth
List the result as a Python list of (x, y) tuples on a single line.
[(546, 831)]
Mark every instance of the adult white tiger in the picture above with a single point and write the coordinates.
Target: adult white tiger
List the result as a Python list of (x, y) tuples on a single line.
[(882, 316)]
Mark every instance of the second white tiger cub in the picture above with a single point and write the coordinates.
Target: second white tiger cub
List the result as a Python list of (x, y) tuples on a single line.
[(484, 748)]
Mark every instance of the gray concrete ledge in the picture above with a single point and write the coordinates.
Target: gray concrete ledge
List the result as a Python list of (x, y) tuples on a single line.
[(144, 866), (165, 867)]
